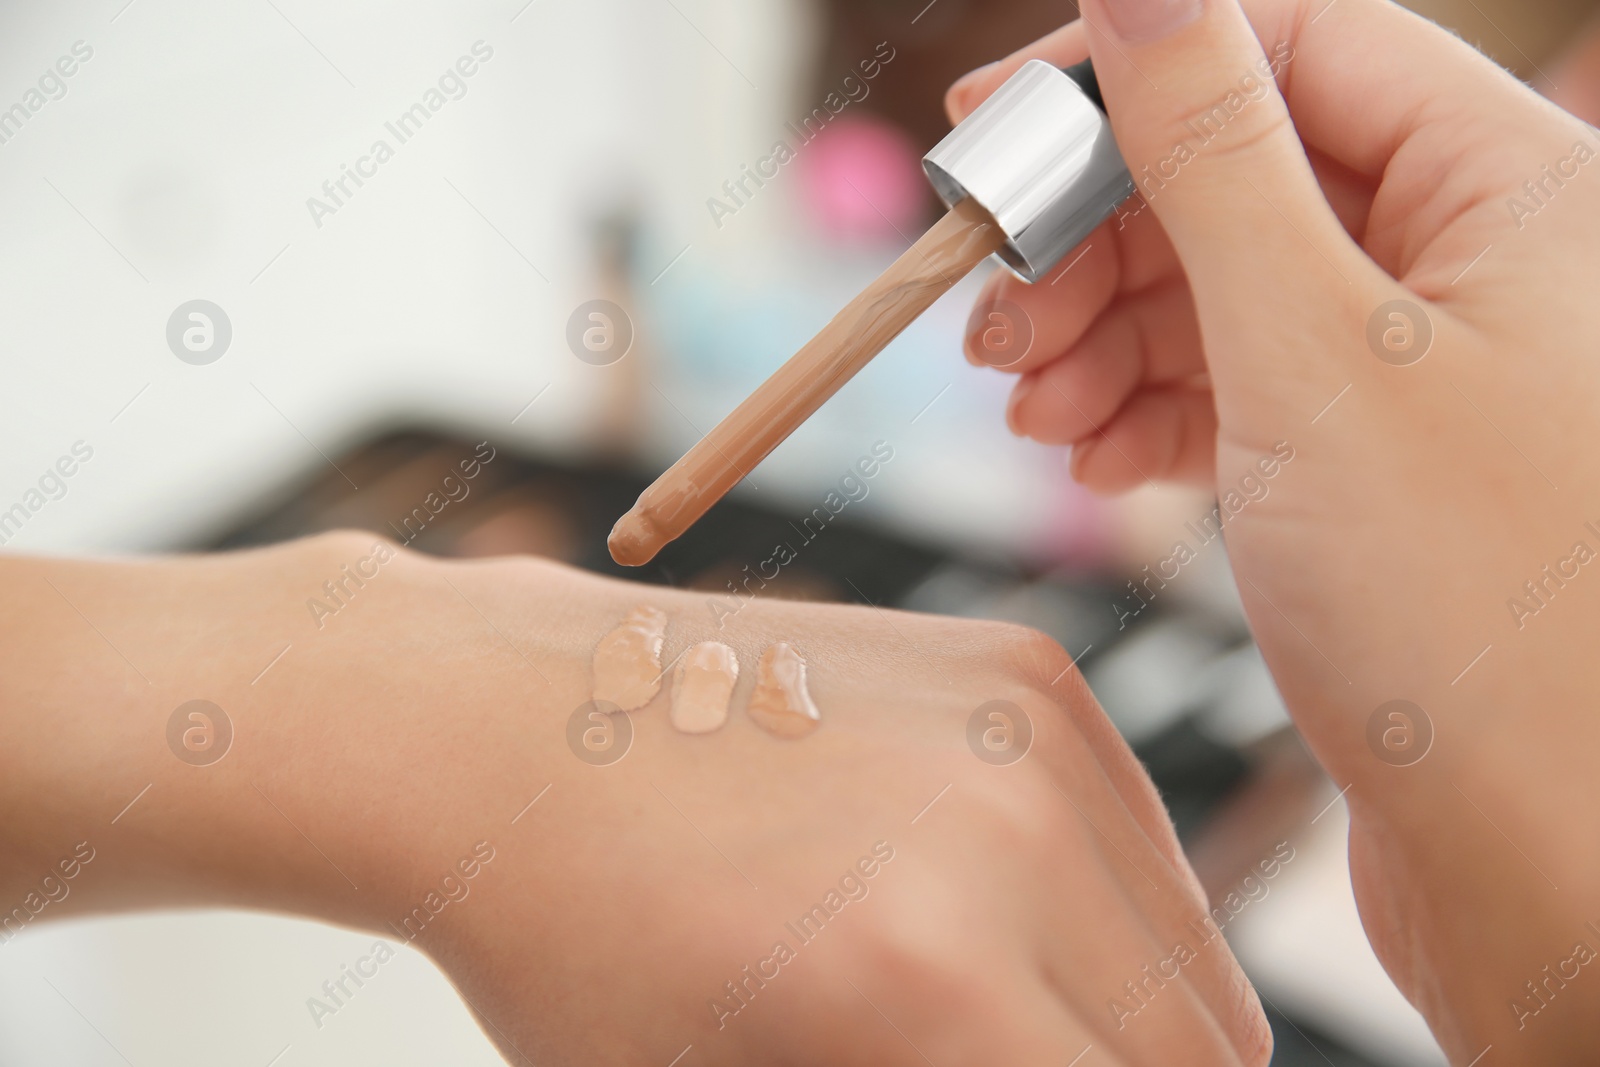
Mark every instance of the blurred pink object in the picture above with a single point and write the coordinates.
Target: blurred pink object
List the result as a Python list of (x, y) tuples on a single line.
[(861, 179), (1084, 529)]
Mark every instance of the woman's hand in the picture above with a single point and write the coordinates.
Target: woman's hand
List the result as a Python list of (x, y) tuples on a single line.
[(408, 766), (1364, 311)]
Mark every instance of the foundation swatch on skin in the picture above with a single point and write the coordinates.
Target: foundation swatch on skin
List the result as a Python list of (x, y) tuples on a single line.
[(703, 686), (627, 661), (781, 703)]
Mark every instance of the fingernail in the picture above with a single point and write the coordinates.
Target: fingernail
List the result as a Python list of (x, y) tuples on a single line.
[(1142, 21), (1075, 457), (1018, 395), (962, 89)]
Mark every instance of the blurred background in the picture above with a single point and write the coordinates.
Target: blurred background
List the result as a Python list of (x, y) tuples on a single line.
[(559, 249)]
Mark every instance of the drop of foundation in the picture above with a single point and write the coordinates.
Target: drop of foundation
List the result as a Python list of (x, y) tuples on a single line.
[(703, 686), (781, 703), (627, 661), (633, 540)]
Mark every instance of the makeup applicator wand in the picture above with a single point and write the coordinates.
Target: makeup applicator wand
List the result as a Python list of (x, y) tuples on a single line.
[(1026, 176)]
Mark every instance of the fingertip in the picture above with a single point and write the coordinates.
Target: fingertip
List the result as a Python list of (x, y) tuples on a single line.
[(1165, 435), (1019, 396), (952, 111), (1091, 469), (990, 301), (1077, 460), (967, 92), (976, 321)]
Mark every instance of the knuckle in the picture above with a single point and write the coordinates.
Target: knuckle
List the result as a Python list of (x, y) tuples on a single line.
[(345, 541), (1027, 814), (922, 969), (933, 990), (1030, 653), (1254, 1033), (1251, 131), (1212, 139)]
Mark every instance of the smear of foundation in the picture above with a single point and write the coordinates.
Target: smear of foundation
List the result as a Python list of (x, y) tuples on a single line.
[(703, 686), (627, 661), (781, 703)]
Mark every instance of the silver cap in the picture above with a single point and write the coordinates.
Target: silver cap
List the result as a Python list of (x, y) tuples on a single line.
[(1039, 156)]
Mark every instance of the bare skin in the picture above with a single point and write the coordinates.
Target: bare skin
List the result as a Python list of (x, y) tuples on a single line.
[(418, 721), (1232, 312), (405, 735)]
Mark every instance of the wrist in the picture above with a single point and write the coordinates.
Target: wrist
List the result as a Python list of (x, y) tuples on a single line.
[(314, 780), (96, 664)]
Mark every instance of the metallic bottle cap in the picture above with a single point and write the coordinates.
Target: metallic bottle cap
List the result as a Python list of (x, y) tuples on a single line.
[(1039, 156)]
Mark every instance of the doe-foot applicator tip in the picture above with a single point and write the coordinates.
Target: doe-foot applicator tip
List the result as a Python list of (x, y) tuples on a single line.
[(633, 542)]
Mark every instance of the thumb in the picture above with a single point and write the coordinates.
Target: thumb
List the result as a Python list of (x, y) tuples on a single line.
[(1194, 101)]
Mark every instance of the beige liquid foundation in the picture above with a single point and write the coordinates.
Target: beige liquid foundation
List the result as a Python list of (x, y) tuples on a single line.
[(627, 661), (782, 704), (627, 676), (703, 687)]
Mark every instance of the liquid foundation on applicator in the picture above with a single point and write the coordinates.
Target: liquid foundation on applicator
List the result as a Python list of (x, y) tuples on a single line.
[(944, 255), (1027, 176), (781, 703), (627, 661), (703, 686)]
